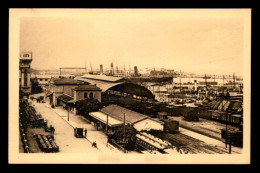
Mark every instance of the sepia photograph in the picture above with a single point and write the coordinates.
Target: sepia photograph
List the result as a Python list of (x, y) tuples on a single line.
[(129, 86)]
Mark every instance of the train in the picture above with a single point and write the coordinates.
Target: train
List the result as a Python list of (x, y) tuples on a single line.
[(223, 111), (217, 110), (150, 143)]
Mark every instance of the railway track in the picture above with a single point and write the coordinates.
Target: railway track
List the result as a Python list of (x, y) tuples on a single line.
[(204, 126), (192, 145)]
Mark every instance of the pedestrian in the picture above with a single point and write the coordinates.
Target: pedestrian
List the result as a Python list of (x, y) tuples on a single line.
[(94, 144), (85, 132), (26, 149), (50, 129), (75, 131), (53, 130)]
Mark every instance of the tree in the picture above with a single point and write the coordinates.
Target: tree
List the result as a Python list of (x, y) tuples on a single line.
[(35, 86), (86, 106), (130, 136)]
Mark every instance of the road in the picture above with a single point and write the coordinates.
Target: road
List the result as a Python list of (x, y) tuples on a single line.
[(64, 133)]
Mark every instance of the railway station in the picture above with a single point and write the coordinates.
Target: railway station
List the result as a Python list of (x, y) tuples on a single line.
[(111, 87)]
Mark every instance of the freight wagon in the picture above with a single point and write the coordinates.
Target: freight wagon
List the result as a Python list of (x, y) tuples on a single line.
[(233, 137), (191, 114), (174, 110), (222, 111), (171, 126)]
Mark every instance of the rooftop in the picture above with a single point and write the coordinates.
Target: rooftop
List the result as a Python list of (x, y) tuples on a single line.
[(65, 98), (87, 87), (118, 113), (160, 141), (67, 82), (152, 140), (102, 78), (103, 118), (41, 76), (104, 85)]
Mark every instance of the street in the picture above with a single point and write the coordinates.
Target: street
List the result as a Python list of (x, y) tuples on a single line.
[(64, 133)]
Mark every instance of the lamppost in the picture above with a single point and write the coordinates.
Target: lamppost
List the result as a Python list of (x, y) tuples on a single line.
[(107, 129), (222, 107), (68, 112), (124, 133), (107, 126)]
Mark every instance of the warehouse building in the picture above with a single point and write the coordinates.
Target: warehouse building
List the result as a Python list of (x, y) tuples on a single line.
[(41, 79)]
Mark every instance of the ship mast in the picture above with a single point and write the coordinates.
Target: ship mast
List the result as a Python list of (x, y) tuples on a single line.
[(206, 84), (234, 80)]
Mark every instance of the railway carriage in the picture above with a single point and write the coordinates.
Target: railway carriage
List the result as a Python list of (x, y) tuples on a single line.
[(150, 143)]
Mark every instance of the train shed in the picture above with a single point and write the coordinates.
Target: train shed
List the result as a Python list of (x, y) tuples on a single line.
[(113, 88)]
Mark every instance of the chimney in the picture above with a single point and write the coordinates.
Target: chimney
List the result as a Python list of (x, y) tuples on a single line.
[(112, 69), (101, 69), (195, 85), (135, 71)]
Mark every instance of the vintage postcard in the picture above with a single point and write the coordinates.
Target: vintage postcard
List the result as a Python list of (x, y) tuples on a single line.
[(129, 86)]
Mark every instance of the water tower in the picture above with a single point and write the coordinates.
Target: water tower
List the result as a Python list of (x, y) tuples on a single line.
[(25, 71)]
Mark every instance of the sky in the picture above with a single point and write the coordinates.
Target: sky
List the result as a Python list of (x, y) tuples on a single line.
[(199, 42)]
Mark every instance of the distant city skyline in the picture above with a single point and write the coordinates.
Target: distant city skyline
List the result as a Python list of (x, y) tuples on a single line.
[(198, 42)]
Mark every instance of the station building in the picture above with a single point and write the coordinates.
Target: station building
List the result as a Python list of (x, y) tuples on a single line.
[(65, 92), (106, 89), (115, 116)]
